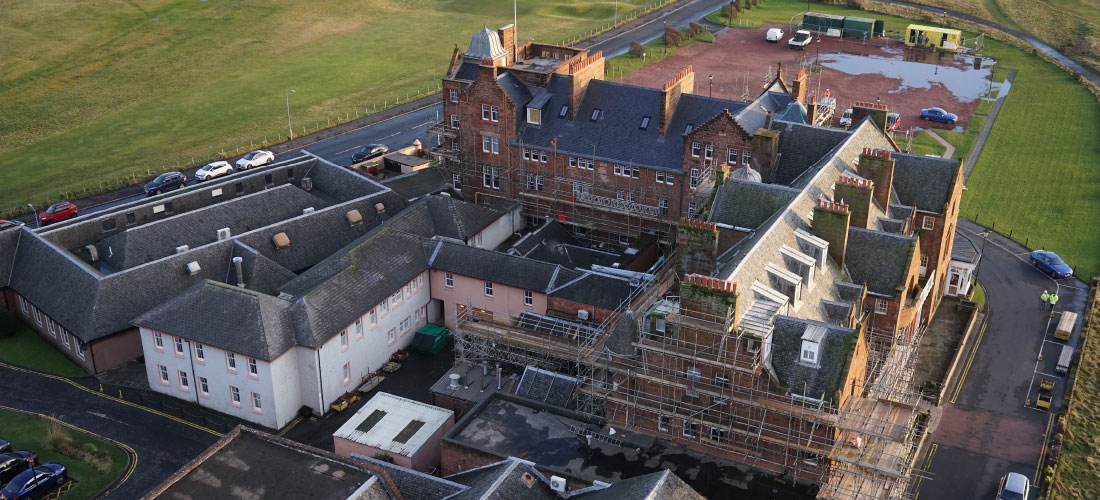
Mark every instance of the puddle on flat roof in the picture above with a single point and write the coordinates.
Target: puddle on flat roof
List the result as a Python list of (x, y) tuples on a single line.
[(967, 84)]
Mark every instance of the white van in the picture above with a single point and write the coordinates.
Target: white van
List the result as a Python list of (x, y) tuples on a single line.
[(846, 118), (775, 35)]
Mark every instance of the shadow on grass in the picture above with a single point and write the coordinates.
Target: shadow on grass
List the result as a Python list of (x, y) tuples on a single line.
[(21, 345)]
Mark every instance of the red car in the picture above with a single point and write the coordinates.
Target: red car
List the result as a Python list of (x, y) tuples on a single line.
[(58, 212)]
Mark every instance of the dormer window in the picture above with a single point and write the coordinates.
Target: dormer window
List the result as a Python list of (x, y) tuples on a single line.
[(645, 123), (687, 128), (564, 111), (534, 116), (811, 345), (595, 114)]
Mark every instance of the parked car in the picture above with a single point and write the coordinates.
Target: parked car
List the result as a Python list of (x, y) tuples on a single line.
[(4, 446), (775, 35), (938, 115), (1013, 487), (8, 224), (165, 182), (34, 483), (58, 212), (370, 151), (255, 159), (893, 121), (11, 464), (212, 170), (846, 118), (1050, 263), (801, 39)]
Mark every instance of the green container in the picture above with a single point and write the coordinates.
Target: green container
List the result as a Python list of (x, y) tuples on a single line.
[(859, 27), (430, 339), (815, 21)]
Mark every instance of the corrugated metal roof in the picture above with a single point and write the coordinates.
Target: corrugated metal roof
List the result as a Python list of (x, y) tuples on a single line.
[(394, 424)]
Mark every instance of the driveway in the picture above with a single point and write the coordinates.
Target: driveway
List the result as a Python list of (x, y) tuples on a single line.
[(990, 425), (162, 445)]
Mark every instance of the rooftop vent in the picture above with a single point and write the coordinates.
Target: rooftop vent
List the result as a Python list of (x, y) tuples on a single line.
[(193, 268), (307, 210), (353, 216), (285, 296), (93, 252), (582, 314), (240, 273), (528, 479), (454, 385), (557, 484), (182, 248), (307, 184), (281, 240), (379, 207), (224, 234)]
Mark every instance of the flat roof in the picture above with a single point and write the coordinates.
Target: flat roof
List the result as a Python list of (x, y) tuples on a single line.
[(473, 386), (394, 424), (249, 465)]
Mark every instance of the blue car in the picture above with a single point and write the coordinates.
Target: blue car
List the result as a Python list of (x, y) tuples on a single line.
[(1050, 263), (34, 483), (938, 115)]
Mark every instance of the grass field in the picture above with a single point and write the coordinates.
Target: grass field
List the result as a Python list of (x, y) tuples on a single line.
[(1078, 468), (28, 432), (97, 91), (924, 144), (24, 347)]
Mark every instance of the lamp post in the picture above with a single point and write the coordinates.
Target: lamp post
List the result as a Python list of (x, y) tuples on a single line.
[(981, 254), (37, 221), (710, 82), (290, 130)]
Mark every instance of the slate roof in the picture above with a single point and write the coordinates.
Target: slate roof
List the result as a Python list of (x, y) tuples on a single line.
[(663, 485), (924, 181), (9, 242), (748, 204), (412, 484), (616, 136), (466, 71), (550, 234), (595, 289), (488, 265), (445, 216), (801, 146), (419, 183), (485, 44), (504, 481), (834, 358), (260, 273), (878, 259), (964, 250), (517, 91), (755, 115), (246, 322)]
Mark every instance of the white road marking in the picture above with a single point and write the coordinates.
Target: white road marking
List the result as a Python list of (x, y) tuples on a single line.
[(346, 150)]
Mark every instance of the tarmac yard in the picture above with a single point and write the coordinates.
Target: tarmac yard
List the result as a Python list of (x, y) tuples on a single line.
[(884, 70)]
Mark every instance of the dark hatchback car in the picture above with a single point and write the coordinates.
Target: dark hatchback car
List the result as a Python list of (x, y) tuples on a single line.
[(370, 151), (165, 182), (12, 463), (4, 446), (34, 483)]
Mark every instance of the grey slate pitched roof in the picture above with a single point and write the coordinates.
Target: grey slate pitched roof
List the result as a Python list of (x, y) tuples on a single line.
[(419, 183), (445, 216), (517, 91), (878, 259), (663, 485), (755, 115), (260, 273), (834, 358), (599, 290), (549, 234), (615, 136), (924, 181), (466, 71), (9, 242), (488, 265), (246, 322), (801, 146), (56, 282), (414, 485), (748, 204), (504, 481)]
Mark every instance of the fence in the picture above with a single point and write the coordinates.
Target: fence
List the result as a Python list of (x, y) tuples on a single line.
[(175, 408), (1026, 241)]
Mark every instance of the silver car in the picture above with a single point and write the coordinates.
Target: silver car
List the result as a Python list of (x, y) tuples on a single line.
[(1013, 487), (212, 170), (255, 159)]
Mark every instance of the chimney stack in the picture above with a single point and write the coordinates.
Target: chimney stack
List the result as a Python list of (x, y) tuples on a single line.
[(581, 72), (682, 83), (240, 273), (876, 111), (508, 41), (811, 110), (857, 194), (831, 222), (798, 86), (698, 243), (878, 166), (765, 152), (708, 298)]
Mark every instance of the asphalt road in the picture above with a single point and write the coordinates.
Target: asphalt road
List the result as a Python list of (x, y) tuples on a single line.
[(161, 444), (987, 429)]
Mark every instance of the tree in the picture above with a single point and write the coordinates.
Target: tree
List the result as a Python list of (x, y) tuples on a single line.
[(695, 28), (673, 37), (637, 49)]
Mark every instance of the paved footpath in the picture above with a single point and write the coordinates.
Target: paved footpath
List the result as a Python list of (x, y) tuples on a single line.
[(161, 443)]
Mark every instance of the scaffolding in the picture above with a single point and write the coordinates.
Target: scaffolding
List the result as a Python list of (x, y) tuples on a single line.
[(694, 377)]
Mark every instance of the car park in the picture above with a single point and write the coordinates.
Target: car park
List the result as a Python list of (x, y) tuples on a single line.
[(212, 170), (13, 463), (369, 151), (58, 212), (34, 483), (938, 115), (1014, 486), (255, 159), (1050, 263), (775, 35), (165, 182)]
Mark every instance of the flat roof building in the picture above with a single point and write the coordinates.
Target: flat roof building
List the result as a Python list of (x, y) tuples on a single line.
[(407, 431)]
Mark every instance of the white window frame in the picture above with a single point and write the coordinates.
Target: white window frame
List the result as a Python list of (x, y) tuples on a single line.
[(496, 145), (200, 353), (177, 344), (455, 122), (708, 151), (488, 288), (344, 339), (881, 306), (746, 157), (52, 327), (660, 176), (185, 383), (928, 222), (573, 161), (347, 373), (664, 422), (456, 182), (163, 373), (485, 112), (536, 117), (696, 149), (235, 396), (359, 328), (691, 208), (204, 386), (37, 316), (722, 380), (406, 324), (694, 181), (454, 94), (23, 305), (257, 401), (693, 426), (486, 145), (76, 344), (731, 156), (231, 362), (528, 298), (253, 367), (448, 280), (391, 336), (158, 341), (65, 339), (494, 114)]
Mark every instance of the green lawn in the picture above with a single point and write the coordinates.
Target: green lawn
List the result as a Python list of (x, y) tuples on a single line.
[(976, 123), (96, 91), (22, 346), (984, 107), (924, 144), (962, 141), (1038, 176), (28, 432), (979, 296), (656, 50)]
